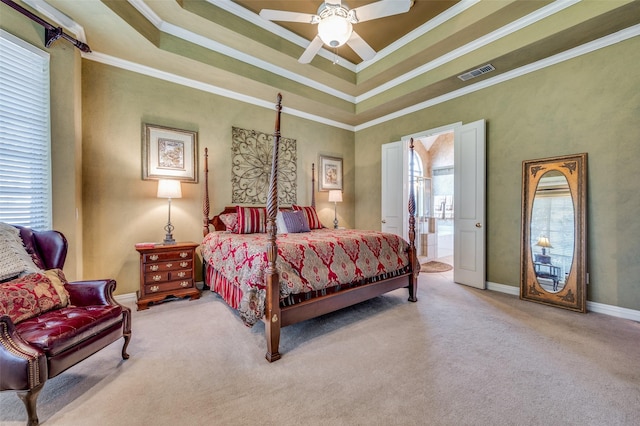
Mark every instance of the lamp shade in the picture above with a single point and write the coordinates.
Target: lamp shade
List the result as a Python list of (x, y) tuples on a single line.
[(169, 188), (544, 242), (335, 196), (334, 30)]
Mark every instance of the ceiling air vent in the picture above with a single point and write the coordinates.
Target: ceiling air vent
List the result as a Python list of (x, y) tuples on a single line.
[(477, 72)]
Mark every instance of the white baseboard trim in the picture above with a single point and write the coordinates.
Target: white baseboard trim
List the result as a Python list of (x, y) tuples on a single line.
[(502, 288), (615, 311), (126, 298), (601, 308)]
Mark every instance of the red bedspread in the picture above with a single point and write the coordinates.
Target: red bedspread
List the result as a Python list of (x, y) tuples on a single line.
[(310, 261)]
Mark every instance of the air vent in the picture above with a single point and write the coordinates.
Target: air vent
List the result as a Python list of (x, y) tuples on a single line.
[(477, 72)]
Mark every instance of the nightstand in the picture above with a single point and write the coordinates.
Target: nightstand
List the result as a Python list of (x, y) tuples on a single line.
[(165, 271)]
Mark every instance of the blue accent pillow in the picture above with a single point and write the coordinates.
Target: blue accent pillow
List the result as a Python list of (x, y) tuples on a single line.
[(295, 221)]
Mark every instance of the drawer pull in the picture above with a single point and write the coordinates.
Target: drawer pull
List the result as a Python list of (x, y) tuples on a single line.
[(156, 277), (169, 265), (154, 257), (184, 254), (182, 274), (184, 284), (154, 268), (184, 264), (154, 288)]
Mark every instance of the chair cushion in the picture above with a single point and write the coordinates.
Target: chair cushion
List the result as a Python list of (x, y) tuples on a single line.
[(57, 330), (32, 295)]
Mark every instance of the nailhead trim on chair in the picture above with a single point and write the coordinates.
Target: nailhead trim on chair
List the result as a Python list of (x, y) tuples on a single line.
[(34, 368)]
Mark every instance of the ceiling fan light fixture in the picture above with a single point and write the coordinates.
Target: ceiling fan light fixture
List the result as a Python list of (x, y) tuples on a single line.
[(334, 30)]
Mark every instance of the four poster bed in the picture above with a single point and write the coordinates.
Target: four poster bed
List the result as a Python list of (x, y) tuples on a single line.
[(281, 266)]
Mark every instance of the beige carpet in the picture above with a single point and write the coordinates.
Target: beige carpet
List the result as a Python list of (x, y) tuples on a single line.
[(459, 356)]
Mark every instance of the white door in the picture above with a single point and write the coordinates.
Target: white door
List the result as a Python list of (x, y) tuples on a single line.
[(468, 204), (392, 184)]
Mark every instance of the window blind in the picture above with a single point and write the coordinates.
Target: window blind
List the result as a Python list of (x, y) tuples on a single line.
[(25, 165)]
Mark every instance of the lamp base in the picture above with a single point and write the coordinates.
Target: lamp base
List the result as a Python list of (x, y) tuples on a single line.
[(168, 239)]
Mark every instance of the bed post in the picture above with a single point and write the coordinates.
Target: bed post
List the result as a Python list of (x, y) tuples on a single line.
[(413, 255), (205, 200), (272, 307), (313, 185)]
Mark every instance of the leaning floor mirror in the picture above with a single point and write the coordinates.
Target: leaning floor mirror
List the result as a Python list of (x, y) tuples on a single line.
[(553, 246)]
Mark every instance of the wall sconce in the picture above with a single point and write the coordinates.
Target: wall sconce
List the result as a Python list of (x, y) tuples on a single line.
[(169, 188), (335, 196)]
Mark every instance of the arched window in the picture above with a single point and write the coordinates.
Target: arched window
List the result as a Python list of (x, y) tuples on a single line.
[(415, 164)]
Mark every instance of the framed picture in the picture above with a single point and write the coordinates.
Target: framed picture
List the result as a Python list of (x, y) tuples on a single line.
[(169, 154), (330, 173)]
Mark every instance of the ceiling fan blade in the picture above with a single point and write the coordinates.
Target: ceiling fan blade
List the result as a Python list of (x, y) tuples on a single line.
[(311, 50), (361, 47), (283, 15), (382, 8)]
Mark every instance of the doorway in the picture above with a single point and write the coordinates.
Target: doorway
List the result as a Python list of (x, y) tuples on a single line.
[(462, 211), (434, 191)]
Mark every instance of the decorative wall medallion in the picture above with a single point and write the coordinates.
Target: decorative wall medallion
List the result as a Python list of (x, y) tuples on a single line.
[(252, 152)]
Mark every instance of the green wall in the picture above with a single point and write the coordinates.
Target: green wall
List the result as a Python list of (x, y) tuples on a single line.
[(587, 104), (122, 209)]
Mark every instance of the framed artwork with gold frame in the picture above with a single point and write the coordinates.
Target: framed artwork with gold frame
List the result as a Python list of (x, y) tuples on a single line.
[(330, 173), (169, 153)]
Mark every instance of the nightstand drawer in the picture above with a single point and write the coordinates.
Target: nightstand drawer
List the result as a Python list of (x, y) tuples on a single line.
[(167, 255), (168, 286), (159, 277), (168, 265)]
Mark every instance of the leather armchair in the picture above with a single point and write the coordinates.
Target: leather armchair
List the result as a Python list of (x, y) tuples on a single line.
[(40, 348)]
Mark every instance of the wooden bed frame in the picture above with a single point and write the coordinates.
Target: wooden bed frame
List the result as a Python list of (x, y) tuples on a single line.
[(277, 316)]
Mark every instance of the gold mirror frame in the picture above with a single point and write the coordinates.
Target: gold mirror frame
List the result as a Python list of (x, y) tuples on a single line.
[(573, 294)]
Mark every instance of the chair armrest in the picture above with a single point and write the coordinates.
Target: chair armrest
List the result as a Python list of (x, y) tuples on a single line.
[(96, 292), (23, 366)]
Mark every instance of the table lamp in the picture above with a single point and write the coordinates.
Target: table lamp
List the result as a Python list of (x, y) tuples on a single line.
[(169, 188), (335, 197)]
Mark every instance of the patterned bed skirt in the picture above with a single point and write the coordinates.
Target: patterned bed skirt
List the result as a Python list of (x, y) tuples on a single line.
[(232, 294)]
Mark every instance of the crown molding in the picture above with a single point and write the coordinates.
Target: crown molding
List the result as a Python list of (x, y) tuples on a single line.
[(58, 17), (600, 43), (205, 87)]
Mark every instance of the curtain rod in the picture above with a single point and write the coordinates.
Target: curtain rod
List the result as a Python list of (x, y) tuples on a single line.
[(51, 33)]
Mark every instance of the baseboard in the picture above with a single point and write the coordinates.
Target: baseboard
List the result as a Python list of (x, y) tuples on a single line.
[(601, 308), (126, 298), (502, 288), (615, 311)]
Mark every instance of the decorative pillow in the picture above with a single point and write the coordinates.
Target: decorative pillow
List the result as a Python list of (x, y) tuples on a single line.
[(295, 221), (280, 225), (29, 296), (58, 280), (252, 220), (14, 259), (311, 215), (230, 221)]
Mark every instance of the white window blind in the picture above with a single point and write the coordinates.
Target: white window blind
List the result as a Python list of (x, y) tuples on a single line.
[(25, 165)]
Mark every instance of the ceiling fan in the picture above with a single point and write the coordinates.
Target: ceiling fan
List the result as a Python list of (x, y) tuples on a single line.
[(335, 24)]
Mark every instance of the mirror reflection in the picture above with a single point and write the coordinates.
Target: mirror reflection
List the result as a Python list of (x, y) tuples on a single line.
[(552, 231)]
